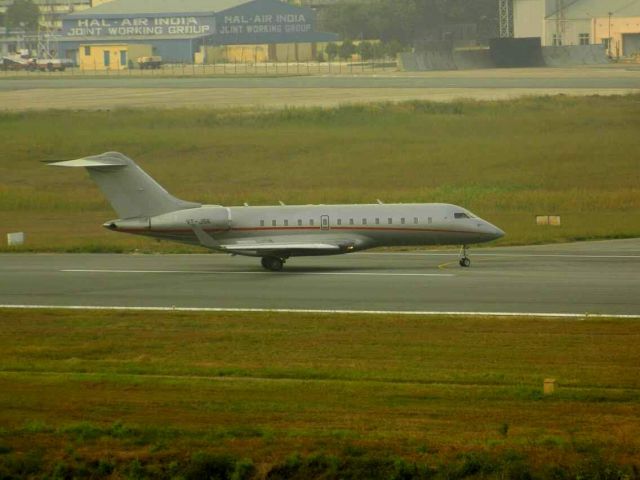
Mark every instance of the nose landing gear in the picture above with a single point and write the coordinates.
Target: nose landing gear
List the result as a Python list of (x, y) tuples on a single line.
[(465, 261), (274, 264)]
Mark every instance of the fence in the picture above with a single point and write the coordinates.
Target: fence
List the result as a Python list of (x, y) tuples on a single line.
[(230, 68)]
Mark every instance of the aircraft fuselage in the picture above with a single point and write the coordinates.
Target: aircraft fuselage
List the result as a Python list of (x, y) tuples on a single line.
[(353, 227), (275, 233)]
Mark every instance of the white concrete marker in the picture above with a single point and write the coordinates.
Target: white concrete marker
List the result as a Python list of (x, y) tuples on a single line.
[(15, 239)]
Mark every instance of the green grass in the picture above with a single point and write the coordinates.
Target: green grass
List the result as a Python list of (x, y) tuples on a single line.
[(308, 395), (507, 161)]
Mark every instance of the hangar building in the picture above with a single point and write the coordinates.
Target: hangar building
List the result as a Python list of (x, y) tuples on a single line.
[(614, 23), (180, 30)]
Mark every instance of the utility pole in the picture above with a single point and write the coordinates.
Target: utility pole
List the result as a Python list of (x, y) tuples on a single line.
[(560, 23), (609, 39), (505, 8)]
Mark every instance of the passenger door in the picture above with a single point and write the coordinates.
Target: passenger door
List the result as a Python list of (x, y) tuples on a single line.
[(324, 222)]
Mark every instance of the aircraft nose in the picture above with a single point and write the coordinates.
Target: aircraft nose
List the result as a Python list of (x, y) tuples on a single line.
[(494, 231), (491, 231)]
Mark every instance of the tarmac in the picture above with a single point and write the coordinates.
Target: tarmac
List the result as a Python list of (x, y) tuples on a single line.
[(587, 278), (99, 93)]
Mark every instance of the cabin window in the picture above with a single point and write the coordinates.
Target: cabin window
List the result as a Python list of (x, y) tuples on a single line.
[(415, 220), (460, 215), (351, 222), (273, 223), (430, 220), (311, 222), (390, 221), (262, 223), (339, 221), (377, 221), (364, 221), (286, 223), (299, 223), (402, 221)]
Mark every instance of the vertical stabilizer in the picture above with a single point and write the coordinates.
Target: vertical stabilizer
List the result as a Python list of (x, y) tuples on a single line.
[(130, 190)]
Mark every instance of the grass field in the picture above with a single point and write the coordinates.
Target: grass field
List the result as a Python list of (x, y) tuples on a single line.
[(507, 161), (316, 396)]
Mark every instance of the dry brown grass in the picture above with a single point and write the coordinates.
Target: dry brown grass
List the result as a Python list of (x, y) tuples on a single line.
[(266, 385), (507, 161)]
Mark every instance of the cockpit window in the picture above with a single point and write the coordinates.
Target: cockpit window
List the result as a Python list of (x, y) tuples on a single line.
[(461, 215)]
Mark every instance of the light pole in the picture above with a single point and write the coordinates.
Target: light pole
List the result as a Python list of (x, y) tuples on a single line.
[(23, 32), (609, 42)]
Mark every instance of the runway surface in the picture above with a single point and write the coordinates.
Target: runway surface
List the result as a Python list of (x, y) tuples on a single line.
[(609, 77), (231, 91), (581, 278)]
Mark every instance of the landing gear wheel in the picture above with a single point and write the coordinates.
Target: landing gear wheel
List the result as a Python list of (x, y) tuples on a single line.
[(274, 264), (464, 259)]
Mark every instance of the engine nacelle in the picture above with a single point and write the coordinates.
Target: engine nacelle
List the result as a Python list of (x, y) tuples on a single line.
[(208, 218), (129, 225)]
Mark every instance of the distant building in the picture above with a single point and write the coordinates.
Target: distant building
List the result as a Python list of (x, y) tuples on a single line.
[(51, 11), (614, 23), (180, 31), (10, 41)]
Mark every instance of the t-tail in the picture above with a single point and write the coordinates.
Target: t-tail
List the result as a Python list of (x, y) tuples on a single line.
[(131, 192)]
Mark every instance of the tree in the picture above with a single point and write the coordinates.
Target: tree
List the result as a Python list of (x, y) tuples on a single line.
[(23, 14), (347, 49), (379, 50), (365, 50), (393, 48), (331, 50), (406, 21)]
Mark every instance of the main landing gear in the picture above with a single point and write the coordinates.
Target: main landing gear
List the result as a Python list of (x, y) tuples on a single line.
[(465, 261), (274, 264)]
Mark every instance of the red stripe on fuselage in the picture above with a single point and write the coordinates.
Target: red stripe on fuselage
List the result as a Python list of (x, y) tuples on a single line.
[(315, 229)]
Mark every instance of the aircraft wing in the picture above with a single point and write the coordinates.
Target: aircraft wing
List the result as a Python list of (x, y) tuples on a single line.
[(278, 247), (262, 246)]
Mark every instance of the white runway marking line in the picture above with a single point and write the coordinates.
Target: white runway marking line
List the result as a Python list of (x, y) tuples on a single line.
[(517, 255), (192, 272), (579, 316)]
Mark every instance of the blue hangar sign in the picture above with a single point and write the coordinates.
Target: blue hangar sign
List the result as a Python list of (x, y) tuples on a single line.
[(235, 22), (177, 29), (252, 24), (139, 26)]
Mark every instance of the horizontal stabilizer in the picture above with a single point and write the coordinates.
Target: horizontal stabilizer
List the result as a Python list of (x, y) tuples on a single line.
[(92, 162)]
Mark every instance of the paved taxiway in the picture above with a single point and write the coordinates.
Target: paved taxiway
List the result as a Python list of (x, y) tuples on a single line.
[(590, 277), (310, 90)]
